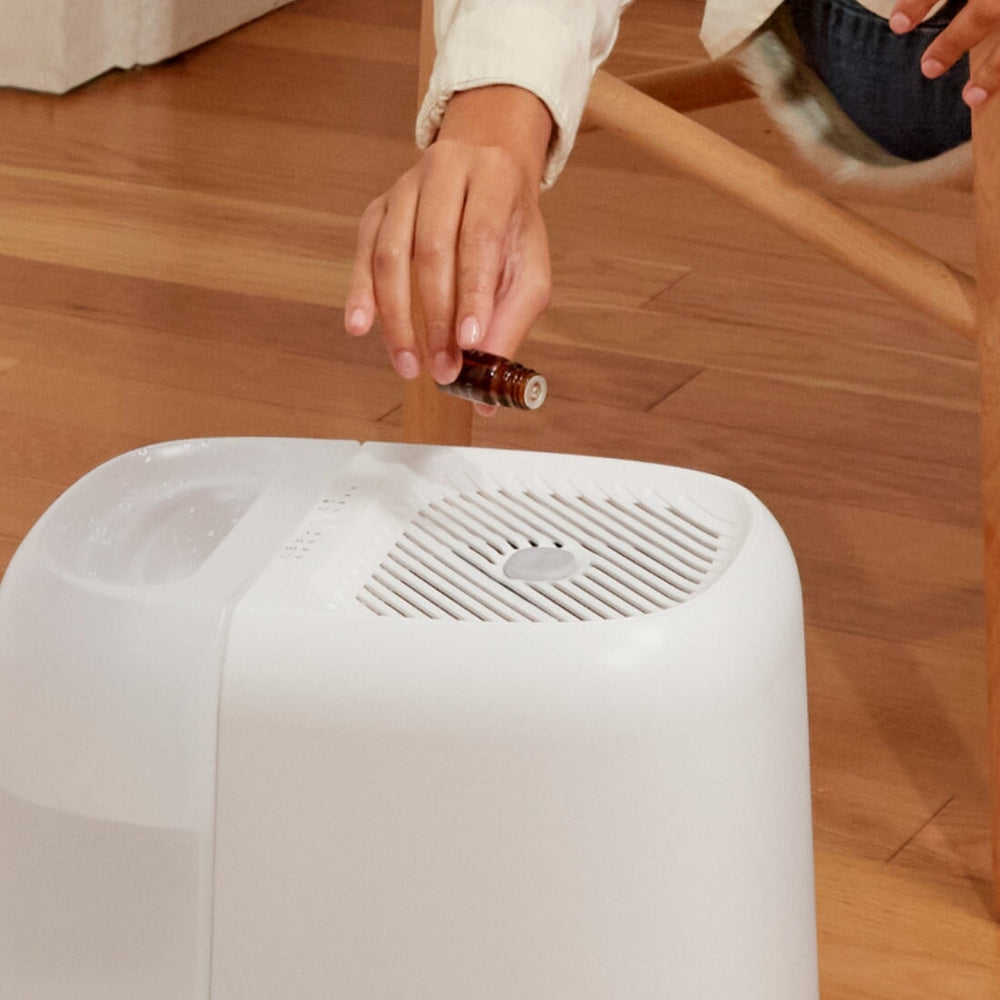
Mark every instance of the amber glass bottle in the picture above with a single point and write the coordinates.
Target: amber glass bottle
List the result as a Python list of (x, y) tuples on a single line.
[(488, 378)]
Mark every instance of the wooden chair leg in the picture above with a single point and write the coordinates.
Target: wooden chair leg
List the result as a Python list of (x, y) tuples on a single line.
[(885, 259), (429, 416), (986, 150), (705, 84)]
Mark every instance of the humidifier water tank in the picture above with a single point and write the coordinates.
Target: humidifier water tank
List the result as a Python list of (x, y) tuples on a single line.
[(311, 720)]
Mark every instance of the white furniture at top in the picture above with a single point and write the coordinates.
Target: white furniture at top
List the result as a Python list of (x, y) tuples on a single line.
[(55, 45)]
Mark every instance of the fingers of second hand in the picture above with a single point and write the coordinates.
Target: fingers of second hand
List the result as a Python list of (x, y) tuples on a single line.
[(907, 14), (985, 79), (967, 29)]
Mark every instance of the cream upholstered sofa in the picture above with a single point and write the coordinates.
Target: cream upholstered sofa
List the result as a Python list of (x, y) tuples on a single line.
[(55, 45)]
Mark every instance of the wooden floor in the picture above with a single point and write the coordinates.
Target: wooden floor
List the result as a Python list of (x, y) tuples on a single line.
[(174, 246)]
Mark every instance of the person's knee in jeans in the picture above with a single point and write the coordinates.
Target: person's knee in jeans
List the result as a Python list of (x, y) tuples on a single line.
[(875, 75)]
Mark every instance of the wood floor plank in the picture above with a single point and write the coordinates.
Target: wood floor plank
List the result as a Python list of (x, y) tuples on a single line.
[(789, 305), (169, 362), (954, 841), (680, 221), (153, 412), (24, 499), (40, 296), (627, 281), (184, 238), (809, 359), (332, 36), (946, 434), (886, 935)]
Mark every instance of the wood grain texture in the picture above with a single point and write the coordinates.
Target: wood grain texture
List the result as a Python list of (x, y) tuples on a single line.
[(986, 125), (888, 261), (173, 249)]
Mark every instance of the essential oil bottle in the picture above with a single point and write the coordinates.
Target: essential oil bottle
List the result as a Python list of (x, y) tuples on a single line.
[(488, 378)]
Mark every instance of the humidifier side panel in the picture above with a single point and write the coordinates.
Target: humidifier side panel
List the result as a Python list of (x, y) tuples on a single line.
[(401, 820), (113, 620), (370, 845), (437, 781), (113, 615), (77, 921)]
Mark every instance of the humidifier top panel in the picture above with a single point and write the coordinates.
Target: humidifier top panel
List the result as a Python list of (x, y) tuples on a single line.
[(449, 534)]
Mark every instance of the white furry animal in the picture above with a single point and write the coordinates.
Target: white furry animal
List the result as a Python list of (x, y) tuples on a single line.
[(800, 104)]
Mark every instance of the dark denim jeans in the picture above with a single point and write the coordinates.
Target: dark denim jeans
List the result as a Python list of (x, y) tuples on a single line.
[(874, 75)]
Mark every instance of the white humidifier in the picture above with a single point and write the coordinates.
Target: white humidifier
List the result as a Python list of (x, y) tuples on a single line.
[(312, 720)]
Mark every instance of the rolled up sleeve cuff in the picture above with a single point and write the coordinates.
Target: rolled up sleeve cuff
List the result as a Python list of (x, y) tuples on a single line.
[(520, 45)]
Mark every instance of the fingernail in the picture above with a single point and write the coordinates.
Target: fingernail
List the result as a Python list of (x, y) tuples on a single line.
[(469, 333), (974, 96), (931, 68), (357, 321), (444, 368), (900, 23), (407, 364)]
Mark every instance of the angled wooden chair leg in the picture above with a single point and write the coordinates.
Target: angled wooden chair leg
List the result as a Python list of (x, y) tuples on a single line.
[(705, 84), (986, 149), (885, 259), (429, 416)]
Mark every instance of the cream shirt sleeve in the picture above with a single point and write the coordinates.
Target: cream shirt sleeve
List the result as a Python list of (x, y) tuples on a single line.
[(727, 23), (550, 47)]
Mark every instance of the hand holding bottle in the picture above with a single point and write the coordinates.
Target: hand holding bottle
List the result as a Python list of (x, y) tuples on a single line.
[(462, 231)]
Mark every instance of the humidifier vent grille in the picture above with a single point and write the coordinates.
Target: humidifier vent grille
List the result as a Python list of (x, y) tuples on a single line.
[(522, 554)]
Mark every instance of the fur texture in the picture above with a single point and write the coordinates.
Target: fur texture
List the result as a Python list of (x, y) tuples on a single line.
[(804, 109)]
